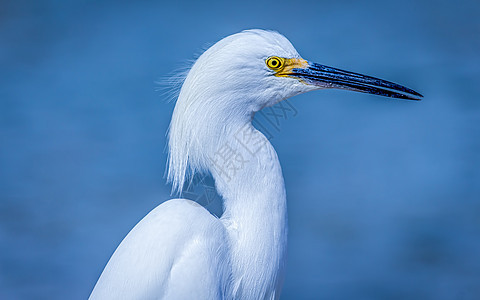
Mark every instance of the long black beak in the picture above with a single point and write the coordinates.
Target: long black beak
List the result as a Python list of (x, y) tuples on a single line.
[(328, 77)]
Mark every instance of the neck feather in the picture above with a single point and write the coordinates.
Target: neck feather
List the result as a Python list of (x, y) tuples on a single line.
[(247, 175), (255, 213)]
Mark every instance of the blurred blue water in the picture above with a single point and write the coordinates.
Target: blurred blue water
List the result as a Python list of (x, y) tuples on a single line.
[(384, 195)]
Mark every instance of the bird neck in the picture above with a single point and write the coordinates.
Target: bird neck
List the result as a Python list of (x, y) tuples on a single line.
[(213, 134), (249, 178)]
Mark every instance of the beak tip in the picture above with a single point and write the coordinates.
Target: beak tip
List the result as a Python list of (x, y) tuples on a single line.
[(419, 97)]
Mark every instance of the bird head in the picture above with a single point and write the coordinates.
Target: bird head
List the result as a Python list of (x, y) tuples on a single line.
[(257, 68), (240, 75)]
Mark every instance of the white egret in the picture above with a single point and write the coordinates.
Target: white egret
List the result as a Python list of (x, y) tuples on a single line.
[(180, 250)]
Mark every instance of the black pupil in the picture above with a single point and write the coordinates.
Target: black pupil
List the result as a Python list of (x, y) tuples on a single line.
[(274, 63)]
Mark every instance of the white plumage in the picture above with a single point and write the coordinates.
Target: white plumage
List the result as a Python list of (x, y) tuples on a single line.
[(181, 251)]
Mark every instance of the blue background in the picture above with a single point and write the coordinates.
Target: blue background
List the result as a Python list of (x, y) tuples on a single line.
[(384, 195)]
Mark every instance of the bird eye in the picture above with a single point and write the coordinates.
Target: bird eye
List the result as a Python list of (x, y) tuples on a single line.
[(275, 63)]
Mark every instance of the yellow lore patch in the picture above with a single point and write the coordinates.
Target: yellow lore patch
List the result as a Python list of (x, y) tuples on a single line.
[(284, 66)]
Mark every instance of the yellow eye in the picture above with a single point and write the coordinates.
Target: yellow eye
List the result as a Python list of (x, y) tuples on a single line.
[(275, 63)]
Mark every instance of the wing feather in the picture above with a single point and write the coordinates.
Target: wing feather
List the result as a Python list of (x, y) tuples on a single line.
[(178, 251)]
